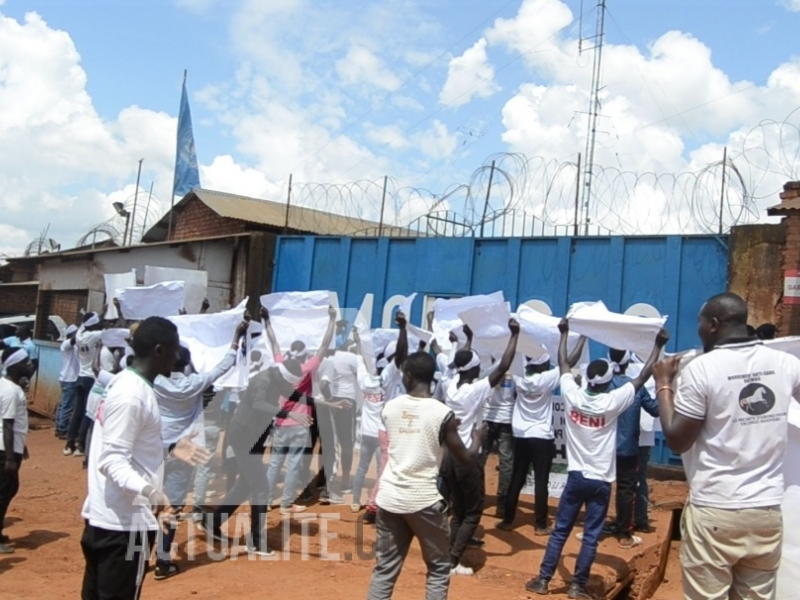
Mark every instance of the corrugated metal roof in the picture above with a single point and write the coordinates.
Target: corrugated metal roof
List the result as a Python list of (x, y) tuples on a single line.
[(273, 215), (784, 207)]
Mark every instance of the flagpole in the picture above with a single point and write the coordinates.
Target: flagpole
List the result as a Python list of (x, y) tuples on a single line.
[(172, 199)]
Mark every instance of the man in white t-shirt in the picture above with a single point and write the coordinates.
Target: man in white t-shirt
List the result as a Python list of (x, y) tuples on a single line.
[(86, 340), (591, 460), (466, 395), (534, 436), (728, 418), (125, 457), (14, 414), (68, 378), (418, 426)]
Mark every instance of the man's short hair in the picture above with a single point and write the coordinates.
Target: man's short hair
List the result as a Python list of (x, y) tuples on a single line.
[(8, 352), (152, 332), (616, 355), (420, 366), (726, 307), (297, 346), (462, 358), (597, 368), (767, 331)]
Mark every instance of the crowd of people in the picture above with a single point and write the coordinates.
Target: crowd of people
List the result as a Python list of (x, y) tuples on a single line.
[(146, 423)]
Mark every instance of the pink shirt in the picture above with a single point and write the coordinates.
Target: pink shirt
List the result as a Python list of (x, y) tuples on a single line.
[(304, 387)]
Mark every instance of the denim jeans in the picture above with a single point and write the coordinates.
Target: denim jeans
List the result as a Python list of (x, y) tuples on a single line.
[(595, 495), (642, 491), (82, 388), (288, 444), (370, 446), (503, 435), (177, 481), (204, 472), (65, 406)]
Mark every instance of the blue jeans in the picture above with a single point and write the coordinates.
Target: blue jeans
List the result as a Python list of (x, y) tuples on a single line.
[(204, 472), (288, 444), (578, 491), (370, 446), (65, 406), (642, 491), (177, 481)]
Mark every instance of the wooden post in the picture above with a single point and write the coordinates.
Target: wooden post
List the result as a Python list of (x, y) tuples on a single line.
[(288, 205), (383, 205)]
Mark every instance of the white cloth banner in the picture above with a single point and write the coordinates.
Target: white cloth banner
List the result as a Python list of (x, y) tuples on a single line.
[(362, 326), (538, 331), (299, 316), (115, 337), (281, 301), (209, 337), (615, 330), (195, 284), (160, 300), (382, 337), (446, 311), (115, 281)]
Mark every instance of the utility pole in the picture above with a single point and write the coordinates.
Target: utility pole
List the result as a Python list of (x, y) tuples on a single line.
[(135, 200), (594, 111)]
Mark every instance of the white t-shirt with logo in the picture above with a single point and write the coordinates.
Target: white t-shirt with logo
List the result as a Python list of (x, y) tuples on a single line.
[(592, 428), (86, 345), (14, 405), (69, 362), (742, 393), (500, 404), (372, 390), (125, 455), (414, 425), (533, 411), (467, 402)]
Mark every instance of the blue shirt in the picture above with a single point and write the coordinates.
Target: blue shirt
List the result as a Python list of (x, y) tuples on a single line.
[(27, 345), (628, 422)]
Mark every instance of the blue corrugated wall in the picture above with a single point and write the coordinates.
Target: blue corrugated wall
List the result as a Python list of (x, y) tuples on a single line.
[(674, 274)]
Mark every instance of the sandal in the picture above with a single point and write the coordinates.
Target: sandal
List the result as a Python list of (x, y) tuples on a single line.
[(627, 543)]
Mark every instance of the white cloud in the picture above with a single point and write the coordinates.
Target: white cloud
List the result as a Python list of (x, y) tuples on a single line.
[(469, 75), (792, 5), (362, 66)]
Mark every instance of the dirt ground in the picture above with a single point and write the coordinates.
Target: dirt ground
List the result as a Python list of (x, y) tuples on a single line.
[(325, 553)]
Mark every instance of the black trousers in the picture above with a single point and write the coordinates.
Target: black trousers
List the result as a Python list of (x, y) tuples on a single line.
[(9, 485), (467, 492), (116, 562), (539, 453), (627, 480), (344, 424)]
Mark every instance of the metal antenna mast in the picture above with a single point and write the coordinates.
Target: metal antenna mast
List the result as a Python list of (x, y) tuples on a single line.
[(594, 108)]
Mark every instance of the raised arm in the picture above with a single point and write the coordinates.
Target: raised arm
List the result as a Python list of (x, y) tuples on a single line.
[(401, 353), (96, 368), (434, 344), (468, 333), (121, 322), (273, 340), (680, 431), (661, 340), (563, 360), (326, 340), (504, 365), (577, 352)]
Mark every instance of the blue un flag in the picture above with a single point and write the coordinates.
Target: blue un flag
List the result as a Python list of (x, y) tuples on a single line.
[(187, 175)]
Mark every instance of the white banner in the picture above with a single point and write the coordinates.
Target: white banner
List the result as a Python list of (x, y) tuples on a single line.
[(115, 338), (446, 311), (115, 281), (160, 300), (195, 284)]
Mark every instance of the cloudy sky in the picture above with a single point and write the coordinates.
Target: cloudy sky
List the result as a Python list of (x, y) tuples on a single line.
[(425, 92)]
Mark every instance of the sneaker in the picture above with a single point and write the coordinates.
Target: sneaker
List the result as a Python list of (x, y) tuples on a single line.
[(213, 534), (346, 491), (538, 585), (67, 451), (645, 528), (6, 549), (542, 531), (293, 510), (610, 529), (355, 507), (504, 526), (259, 550), (78, 452), (337, 500), (629, 541), (369, 517), (460, 569), (579, 592), (165, 571), (306, 496), (475, 542)]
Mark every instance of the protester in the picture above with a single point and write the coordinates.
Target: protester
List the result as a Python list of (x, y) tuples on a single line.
[(290, 436), (628, 427), (14, 413), (180, 402), (67, 378), (647, 439), (465, 395), (410, 502), (23, 339), (125, 498), (534, 436), (103, 375), (728, 420), (591, 433), (86, 339), (498, 411)]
